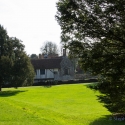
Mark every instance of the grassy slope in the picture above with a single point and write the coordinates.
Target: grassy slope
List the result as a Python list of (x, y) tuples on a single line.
[(58, 105)]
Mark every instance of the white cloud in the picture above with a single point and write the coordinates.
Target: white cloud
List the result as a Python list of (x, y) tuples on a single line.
[(32, 21)]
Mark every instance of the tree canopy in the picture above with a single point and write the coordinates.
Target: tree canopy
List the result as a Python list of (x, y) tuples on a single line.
[(15, 66), (33, 56), (49, 48), (94, 31)]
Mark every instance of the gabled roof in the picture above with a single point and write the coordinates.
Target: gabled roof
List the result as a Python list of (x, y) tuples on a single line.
[(46, 63)]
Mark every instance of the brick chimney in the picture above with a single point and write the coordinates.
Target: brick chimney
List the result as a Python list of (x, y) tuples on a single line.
[(40, 56), (64, 52)]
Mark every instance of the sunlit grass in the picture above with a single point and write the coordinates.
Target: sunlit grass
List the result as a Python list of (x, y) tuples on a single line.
[(58, 105)]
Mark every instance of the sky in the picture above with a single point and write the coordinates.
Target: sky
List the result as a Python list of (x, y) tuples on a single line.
[(32, 21)]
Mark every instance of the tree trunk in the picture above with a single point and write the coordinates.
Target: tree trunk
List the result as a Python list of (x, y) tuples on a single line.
[(0, 84), (0, 87)]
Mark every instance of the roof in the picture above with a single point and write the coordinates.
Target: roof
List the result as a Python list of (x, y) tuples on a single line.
[(46, 63)]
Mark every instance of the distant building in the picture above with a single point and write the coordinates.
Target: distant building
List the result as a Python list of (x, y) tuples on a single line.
[(53, 68)]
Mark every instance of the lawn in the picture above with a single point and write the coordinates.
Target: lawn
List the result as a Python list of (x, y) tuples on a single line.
[(57, 105)]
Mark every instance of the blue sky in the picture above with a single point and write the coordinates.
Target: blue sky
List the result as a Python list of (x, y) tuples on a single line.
[(32, 21)]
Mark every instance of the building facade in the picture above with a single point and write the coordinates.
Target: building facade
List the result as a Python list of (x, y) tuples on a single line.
[(57, 68)]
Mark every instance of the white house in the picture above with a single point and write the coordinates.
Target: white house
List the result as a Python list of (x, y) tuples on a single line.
[(58, 68)]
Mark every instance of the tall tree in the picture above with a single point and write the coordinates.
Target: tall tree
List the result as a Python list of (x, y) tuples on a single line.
[(3, 42), (49, 48), (96, 34), (15, 65)]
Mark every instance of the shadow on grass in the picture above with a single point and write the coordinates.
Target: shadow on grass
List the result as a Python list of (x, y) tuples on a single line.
[(107, 120), (91, 85), (48, 86), (10, 93)]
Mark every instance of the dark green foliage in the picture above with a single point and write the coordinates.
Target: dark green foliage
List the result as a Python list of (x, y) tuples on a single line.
[(95, 32), (34, 56), (15, 65)]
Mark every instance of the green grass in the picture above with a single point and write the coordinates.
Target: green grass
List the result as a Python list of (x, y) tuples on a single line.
[(58, 105)]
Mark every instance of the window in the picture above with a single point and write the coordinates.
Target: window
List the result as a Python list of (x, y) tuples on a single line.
[(66, 71), (42, 71)]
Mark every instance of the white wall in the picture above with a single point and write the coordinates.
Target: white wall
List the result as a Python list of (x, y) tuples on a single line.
[(38, 76), (48, 74)]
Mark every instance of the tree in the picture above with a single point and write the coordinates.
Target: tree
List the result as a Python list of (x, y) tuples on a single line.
[(49, 48), (3, 60), (96, 34), (15, 65), (34, 56)]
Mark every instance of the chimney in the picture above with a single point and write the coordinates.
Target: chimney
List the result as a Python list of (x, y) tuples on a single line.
[(40, 56), (64, 52)]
